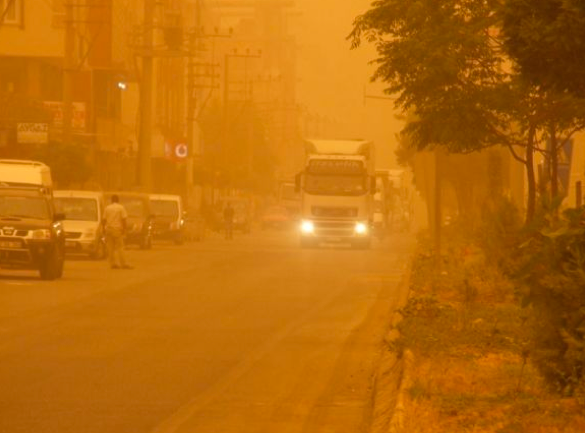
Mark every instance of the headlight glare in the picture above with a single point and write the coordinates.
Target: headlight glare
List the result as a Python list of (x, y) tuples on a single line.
[(361, 228), (307, 227)]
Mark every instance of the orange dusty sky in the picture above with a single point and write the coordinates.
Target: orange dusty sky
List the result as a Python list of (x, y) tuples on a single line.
[(332, 78)]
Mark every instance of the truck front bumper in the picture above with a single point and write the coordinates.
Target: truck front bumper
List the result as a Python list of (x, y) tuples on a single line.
[(335, 230)]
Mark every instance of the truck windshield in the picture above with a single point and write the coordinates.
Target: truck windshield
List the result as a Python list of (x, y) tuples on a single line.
[(333, 184), (24, 207), (77, 209), (165, 208)]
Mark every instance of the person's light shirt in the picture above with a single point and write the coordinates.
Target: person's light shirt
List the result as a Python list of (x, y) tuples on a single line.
[(114, 216)]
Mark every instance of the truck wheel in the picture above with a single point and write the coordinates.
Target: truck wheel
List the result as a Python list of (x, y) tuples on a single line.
[(52, 266)]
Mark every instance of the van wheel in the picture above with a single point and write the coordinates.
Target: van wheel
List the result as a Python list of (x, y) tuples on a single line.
[(52, 266)]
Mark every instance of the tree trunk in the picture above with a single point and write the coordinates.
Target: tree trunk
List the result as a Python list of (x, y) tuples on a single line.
[(554, 163), (531, 204)]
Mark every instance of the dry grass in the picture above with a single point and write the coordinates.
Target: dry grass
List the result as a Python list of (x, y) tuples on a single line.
[(472, 372)]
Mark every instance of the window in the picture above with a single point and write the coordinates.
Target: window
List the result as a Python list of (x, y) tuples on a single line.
[(11, 11)]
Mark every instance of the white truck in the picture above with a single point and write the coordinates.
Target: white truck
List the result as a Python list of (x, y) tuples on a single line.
[(337, 188), (15, 172), (31, 231)]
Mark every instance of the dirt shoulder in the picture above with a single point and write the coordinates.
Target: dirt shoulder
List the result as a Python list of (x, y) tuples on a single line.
[(468, 365)]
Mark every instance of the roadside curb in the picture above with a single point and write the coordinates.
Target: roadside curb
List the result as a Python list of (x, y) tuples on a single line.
[(392, 378)]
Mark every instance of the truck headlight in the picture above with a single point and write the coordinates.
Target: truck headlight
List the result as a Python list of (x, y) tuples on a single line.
[(41, 234), (361, 228), (307, 227)]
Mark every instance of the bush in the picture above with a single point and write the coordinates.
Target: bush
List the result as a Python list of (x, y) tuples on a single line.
[(547, 263)]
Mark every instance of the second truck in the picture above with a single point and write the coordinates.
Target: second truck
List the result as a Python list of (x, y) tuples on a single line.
[(337, 187)]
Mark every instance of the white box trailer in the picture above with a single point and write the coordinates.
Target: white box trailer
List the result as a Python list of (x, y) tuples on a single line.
[(16, 172)]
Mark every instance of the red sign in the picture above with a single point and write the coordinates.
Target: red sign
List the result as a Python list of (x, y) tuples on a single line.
[(176, 150), (79, 114)]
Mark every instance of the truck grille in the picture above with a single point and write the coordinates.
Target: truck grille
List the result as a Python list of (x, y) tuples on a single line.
[(11, 256), (334, 228), (13, 232), (334, 212)]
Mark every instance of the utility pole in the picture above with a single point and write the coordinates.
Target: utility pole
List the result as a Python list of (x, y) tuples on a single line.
[(69, 65), (145, 142), (194, 104), (438, 214), (191, 106), (247, 94)]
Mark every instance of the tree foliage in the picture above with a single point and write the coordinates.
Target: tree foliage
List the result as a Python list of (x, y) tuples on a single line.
[(440, 59), (238, 152), (447, 63), (546, 38)]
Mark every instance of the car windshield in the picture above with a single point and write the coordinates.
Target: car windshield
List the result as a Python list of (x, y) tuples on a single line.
[(24, 207), (77, 209), (134, 206), (334, 184), (166, 208)]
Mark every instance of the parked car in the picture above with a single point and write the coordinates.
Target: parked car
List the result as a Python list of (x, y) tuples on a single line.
[(275, 217), (31, 233), (140, 218), (169, 222), (83, 211)]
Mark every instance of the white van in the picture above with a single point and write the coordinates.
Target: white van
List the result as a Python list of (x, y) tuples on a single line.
[(83, 212), (168, 215), (15, 172)]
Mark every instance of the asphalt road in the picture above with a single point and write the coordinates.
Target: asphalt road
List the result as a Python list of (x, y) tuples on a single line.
[(249, 336)]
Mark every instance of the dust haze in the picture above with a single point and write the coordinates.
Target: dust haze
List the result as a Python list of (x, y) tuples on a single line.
[(334, 80)]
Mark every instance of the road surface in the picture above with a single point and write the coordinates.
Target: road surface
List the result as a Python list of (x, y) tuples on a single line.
[(249, 336)]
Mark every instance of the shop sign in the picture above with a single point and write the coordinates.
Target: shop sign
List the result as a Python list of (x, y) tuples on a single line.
[(78, 120), (32, 133)]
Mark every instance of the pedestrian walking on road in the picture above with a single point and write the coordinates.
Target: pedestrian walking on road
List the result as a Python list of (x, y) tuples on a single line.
[(228, 221), (115, 217)]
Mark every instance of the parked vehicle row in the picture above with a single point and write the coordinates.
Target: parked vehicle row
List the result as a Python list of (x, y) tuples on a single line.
[(38, 226)]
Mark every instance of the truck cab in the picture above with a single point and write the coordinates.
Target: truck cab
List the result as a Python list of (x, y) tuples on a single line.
[(337, 188), (31, 233)]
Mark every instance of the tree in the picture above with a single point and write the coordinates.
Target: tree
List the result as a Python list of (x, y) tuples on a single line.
[(438, 57), (447, 64), (546, 38), (238, 151)]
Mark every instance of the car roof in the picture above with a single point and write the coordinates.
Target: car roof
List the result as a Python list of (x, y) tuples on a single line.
[(126, 194), (78, 194), (169, 197), (22, 191)]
